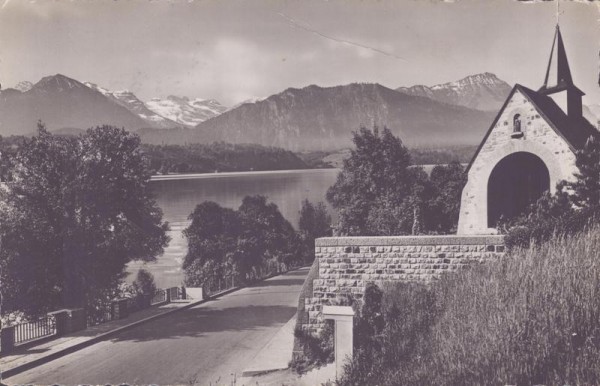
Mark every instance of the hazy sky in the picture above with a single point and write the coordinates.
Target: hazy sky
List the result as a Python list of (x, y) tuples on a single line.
[(234, 50)]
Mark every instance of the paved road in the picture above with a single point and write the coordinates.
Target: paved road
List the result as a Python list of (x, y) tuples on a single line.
[(207, 345)]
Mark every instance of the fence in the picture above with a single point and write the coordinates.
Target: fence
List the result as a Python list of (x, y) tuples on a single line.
[(36, 329), (99, 315), (159, 297), (215, 285)]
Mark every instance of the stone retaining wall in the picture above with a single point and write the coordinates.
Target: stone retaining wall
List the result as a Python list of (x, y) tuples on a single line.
[(347, 264)]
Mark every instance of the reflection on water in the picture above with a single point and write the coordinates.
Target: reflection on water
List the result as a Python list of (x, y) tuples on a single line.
[(178, 198)]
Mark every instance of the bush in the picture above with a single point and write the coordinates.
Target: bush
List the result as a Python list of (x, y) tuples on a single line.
[(316, 351), (144, 284), (407, 311)]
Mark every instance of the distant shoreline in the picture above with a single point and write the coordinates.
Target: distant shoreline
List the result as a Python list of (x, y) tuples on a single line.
[(187, 176)]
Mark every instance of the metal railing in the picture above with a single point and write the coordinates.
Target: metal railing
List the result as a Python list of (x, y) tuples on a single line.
[(98, 316), (159, 297), (36, 329), (215, 285)]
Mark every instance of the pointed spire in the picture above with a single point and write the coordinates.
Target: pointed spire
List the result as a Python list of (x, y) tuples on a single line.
[(558, 66), (558, 83)]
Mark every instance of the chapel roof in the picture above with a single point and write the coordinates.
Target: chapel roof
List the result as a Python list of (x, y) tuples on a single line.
[(575, 130)]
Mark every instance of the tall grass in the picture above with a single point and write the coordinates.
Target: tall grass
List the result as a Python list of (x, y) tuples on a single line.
[(532, 317)]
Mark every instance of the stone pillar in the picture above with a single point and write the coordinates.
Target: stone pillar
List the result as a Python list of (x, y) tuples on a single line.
[(168, 293), (119, 309), (183, 293), (77, 320), (61, 318), (7, 339), (344, 334)]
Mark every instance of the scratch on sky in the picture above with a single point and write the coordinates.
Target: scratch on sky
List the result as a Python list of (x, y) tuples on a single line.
[(306, 27)]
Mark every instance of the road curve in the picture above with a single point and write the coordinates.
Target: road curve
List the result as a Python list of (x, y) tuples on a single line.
[(209, 344)]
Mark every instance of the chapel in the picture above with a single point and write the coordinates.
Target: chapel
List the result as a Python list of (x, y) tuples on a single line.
[(528, 149)]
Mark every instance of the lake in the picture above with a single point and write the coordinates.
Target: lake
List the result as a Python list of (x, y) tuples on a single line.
[(178, 195)]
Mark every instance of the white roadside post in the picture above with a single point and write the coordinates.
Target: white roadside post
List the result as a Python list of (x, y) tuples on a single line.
[(344, 336)]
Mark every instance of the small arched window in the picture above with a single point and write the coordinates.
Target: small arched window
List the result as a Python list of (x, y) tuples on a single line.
[(517, 123)]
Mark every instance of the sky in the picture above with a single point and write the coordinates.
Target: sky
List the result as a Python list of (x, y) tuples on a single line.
[(235, 50)]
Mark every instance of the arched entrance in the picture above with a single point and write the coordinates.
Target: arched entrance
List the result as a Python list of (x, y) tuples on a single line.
[(517, 181)]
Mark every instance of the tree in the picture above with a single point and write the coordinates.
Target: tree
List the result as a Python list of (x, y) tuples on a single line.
[(79, 209), (243, 243), (586, 188), (443, 210), (267, 235), (314, 222), (212, 240), (375, 179), (144, 287)]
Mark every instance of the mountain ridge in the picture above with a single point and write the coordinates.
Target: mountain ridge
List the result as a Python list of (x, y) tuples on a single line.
[(484, 91), (61, 102), (322, 118)]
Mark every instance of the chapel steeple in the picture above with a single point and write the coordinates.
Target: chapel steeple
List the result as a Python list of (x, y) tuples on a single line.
[(558, 83)]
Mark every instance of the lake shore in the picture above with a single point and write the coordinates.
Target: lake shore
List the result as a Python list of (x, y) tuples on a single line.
[(187, 176)]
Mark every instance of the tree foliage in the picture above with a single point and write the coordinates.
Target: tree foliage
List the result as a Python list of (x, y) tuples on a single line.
[(314, 222), (144, 284), (378, 192), (444, 206), (206, 158), (223, 242), (77, 211)]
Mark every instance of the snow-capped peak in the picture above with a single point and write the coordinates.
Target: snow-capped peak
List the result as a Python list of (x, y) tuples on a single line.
[(486, 78), (131, 102), (483, 91), (23, 86), (101, 90), (184, 110)]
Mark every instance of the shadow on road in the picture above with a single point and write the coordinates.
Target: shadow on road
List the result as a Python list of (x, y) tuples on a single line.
[(195, 322)]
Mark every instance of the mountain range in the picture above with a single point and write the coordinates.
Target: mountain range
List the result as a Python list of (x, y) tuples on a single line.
[(61, 103), (482, 92), (67, 105), (322, 118), (309, 118)]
